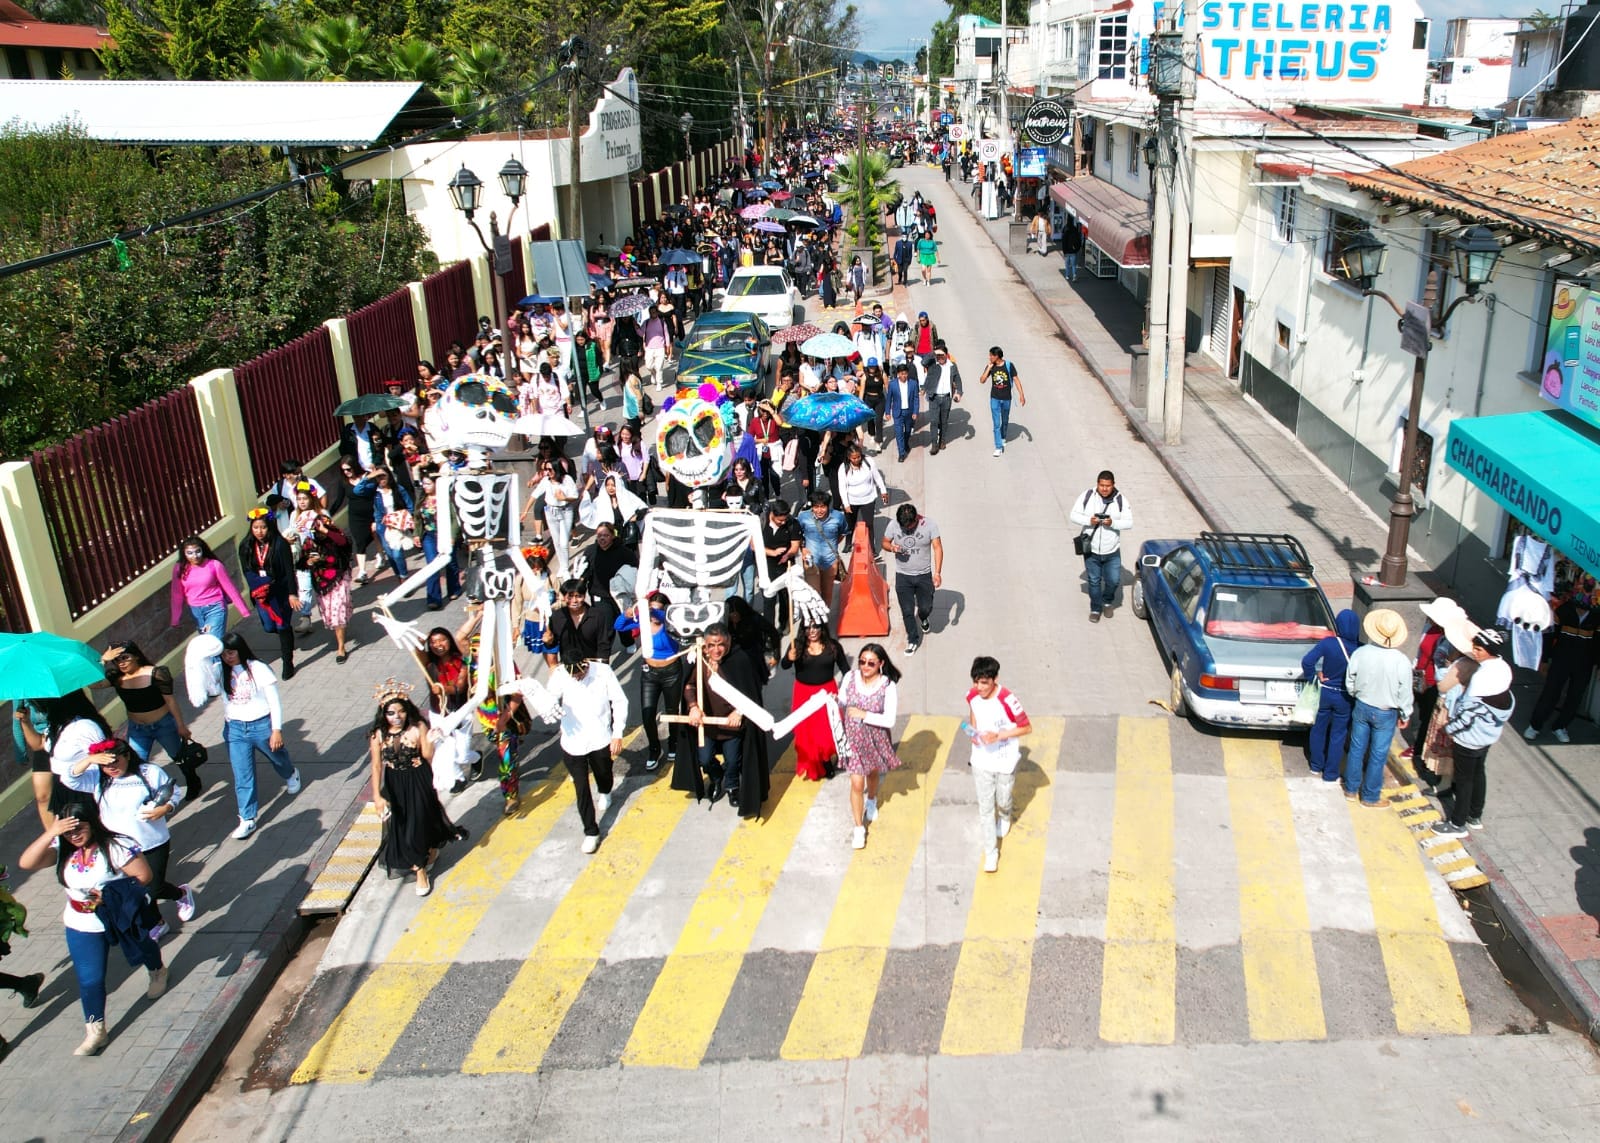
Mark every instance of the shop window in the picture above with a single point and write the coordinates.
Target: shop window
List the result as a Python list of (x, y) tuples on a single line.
[(1342, 228), (1423, 464), (1085, 47), (1111, 47), (1283, 336), (1111, 148), (1419, 36), (1285, 200)]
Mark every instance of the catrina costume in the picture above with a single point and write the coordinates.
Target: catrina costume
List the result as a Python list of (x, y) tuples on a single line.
[(269, 579)]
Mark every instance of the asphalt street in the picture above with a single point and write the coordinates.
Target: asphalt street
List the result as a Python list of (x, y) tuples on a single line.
[(1188, 936)]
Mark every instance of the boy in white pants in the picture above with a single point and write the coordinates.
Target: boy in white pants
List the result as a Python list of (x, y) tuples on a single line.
[(997, 720)]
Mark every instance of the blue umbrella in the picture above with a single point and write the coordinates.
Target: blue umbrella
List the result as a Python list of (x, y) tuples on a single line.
[(601, 280), (768, 227), (679, 257), (821, 412), (827, 345), (772, 184), (539, 300)]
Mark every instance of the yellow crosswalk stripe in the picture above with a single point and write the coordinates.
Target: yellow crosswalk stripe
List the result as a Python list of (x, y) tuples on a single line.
[(830, 1022), (1282, 992), (1423, 983), (989, 994), (1139, 978), (520, 1029), (678, 1020), (365, 1031)]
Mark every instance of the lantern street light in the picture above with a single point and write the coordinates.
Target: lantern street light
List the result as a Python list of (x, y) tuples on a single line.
[(466, 191), (1474, 255)]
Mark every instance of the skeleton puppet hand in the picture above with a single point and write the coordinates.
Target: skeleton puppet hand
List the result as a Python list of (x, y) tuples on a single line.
[(809, 607), (407, 636)]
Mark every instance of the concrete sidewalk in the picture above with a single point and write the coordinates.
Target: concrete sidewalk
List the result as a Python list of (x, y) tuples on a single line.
[(164, 1053), (1244, 471)]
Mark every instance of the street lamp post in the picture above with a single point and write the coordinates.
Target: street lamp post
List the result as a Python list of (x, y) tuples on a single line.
[(466, 191), (686, 124), (1474, 255)]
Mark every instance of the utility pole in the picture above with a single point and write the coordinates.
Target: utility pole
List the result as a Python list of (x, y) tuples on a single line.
[(1174, 55), (1003, 80), (573, 51), (738, 79), (1182, 211)]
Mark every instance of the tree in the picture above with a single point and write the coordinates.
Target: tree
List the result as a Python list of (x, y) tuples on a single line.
[(867, 183), (184, 39), (338, 47)]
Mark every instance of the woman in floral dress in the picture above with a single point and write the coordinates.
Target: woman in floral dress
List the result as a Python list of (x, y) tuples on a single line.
[(869, 701)]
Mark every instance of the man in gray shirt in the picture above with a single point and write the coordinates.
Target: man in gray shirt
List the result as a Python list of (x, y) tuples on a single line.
[(918, 563), (1379, 680)]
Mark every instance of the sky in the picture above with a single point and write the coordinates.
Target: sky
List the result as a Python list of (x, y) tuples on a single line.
[(888, 25)]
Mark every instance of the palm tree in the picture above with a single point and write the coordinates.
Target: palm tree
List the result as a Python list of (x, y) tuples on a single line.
[(277, 64), (869, 188), (338, 48), (476, 78), (414, 61)]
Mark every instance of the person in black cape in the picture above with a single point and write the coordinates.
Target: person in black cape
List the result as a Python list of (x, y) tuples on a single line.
[(733, 761)]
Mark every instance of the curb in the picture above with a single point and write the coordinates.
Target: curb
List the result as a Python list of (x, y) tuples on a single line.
[(1135, 416), (189, 1076)]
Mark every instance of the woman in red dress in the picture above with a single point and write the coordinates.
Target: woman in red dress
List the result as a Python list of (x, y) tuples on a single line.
[(818, 660)]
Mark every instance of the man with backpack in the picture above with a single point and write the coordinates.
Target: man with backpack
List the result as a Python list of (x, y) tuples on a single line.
[(1103, 515), (1002, 380)]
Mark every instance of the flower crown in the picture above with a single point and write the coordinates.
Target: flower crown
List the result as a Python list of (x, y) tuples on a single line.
[(391, 688)]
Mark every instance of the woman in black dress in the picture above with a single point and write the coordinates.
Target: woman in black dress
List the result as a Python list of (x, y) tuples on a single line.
[(360, 520), (415, 825)]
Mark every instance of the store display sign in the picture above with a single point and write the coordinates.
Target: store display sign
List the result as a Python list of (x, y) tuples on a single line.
[(1570, 375), (1031, 163)]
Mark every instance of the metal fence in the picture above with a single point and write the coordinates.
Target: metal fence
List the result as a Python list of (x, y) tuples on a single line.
[(383, 342), (120, 498), (13, 611), (452, 308), (287, 396)]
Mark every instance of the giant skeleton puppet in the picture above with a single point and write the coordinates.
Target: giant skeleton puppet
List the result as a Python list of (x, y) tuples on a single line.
[(480, 508)]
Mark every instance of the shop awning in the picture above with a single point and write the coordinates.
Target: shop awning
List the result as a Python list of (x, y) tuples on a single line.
[(1540, 468), (1118, 222)]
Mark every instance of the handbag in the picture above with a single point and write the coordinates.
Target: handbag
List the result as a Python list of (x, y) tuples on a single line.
[(191, 754), (1308, 702), (1080, 544)]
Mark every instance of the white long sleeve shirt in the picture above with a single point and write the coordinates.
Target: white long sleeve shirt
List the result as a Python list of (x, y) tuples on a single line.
[(255, 693), (121, 800), (594, 709), (862, 485), (1106, 538)]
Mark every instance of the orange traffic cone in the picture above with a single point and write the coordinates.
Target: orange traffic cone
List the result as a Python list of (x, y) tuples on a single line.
[(865, 610)]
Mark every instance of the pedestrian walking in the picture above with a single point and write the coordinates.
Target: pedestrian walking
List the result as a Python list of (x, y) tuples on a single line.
[(1001, 377), (1572, 662), (154, 716), (822, 528), (400, 749), (902, 402), (869, 703), (1071, 247), (918, 552), (426, 518), (269, 579), (741, 775), (593, 713), (861, 488), (135, 798), (201, 582), (818, 659), (857, 278), (941, 384), (1379, 680), (577, 624), (781, 540), (927, 257), (252, 713), (660, 679), (1103, 515), (904, 251), (105, 878), (73, 726), (1327, 662), (1479, 712), (14, 924), (995, 720), (445, 668)]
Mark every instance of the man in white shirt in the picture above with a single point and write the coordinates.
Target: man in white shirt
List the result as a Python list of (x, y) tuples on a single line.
[(995, 720), (1103, 515), (593, 712)]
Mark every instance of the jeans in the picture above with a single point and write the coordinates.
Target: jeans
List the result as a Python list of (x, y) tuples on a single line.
[(1371, 731), (939, 415), (732, 755), (1070, 264), (915, 593), (994, 796), (163, 730), (244, 739), (1000, 413), (211, 619), (904, 425), (1330, 734), (560, 521), (447, 580), (308, 598), (395, 556), (89, 952), (659, 687), (580, 766), (1104, 573)]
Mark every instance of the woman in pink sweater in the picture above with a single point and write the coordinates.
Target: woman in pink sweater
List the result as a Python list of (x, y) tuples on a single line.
[(202, 581)]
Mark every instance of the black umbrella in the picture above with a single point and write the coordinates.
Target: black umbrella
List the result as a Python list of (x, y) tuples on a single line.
[(369, 403)]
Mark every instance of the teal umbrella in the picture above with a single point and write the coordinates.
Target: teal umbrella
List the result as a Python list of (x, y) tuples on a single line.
[(41, 665)]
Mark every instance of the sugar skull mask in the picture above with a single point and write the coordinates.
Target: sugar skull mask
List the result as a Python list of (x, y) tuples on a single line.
[(692, 443), (479, 412)]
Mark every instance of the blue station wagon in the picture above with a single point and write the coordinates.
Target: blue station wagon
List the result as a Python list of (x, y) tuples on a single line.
[(1234, 613)]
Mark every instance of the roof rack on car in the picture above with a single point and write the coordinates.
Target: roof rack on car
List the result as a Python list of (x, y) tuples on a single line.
[(1256, 551)]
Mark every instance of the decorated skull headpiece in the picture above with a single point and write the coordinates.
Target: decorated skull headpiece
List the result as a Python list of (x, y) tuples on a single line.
[(692, 443), (478, 411)]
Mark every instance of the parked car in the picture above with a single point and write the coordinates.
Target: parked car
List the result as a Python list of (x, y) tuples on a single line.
[(1233, 613), (721, 346), (766, 291)]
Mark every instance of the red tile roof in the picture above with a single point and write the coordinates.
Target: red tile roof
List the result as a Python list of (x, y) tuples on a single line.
[(1544, 183), (19, 29)]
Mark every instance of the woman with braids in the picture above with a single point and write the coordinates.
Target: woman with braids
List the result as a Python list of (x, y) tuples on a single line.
[(269, 579), (104, 876), (414, 823), (326, 556)]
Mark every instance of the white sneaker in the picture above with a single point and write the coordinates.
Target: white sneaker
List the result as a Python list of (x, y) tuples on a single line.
[(1004, 827), (158, 983), (293, 784), (858, 838), (991, 861), (1562, 735), (869, 810), (244, 830), (1530, 734), (186, 904), (999, 451), (591, 842), (602, 803)]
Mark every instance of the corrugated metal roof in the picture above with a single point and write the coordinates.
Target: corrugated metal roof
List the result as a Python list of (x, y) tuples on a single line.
[(1546, 178), (159, 111)]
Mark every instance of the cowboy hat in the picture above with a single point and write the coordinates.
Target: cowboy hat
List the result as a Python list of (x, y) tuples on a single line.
[(1384, 627)]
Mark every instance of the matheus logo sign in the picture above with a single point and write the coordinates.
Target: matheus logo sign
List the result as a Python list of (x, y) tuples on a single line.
[(1046, 122)]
